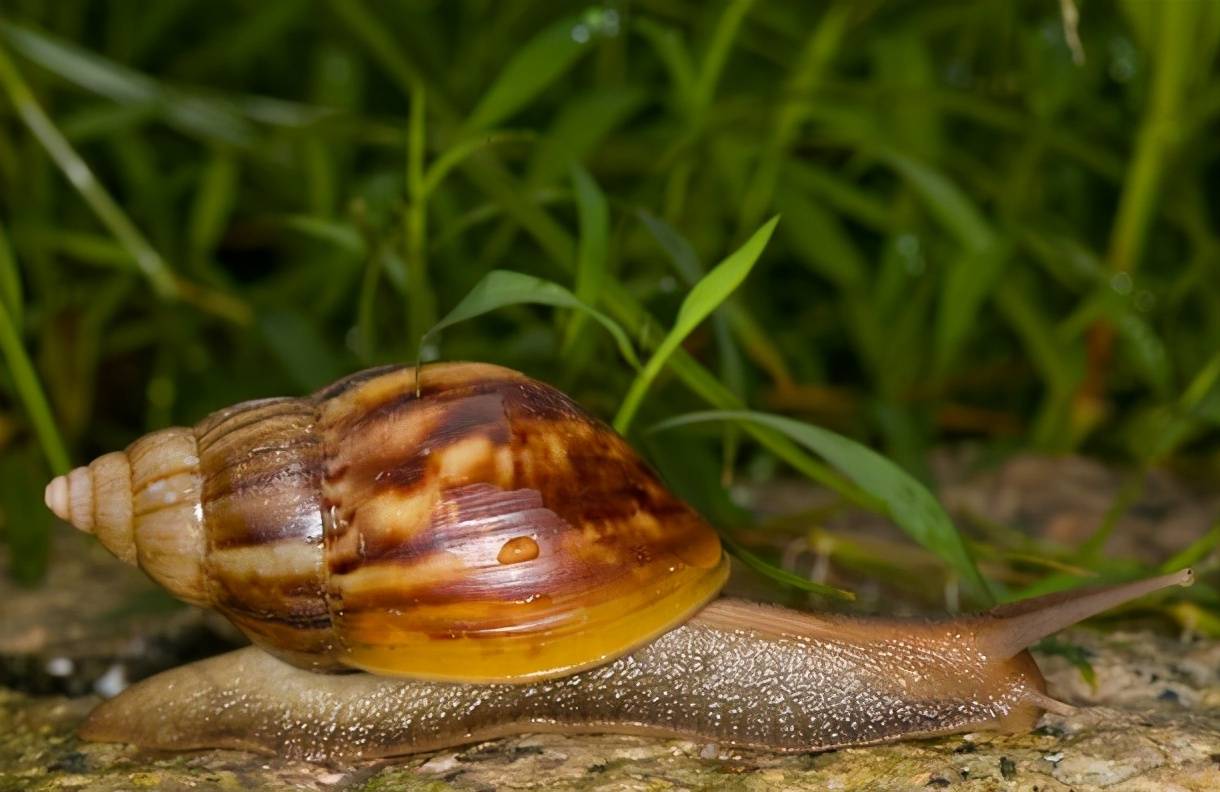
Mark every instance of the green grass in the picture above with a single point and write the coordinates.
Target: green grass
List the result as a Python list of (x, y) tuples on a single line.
[(981, 238)]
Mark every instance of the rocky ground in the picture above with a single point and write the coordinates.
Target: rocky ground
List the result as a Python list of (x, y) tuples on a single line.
[(1149, 718)]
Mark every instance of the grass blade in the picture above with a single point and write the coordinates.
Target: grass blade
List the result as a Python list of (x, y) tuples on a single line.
[(342, 235), (29, 390), (214, 202), (671, 50), (579, 126), (781, 575), (908, 503), (500, 288), (945, 200), (10, 283), (591, 253), (164, 282), (537, 64), (421, 301), (973, 277), (680, 251), (713, 289), (718, 53), (459, 151), (81, 177), (196, 114), (976, 270)]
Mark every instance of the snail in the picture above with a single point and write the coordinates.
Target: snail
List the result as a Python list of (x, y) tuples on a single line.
[(496, 561)]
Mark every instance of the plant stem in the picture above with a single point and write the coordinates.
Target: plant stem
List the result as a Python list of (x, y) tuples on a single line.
[(1158, 138), (421, 310)]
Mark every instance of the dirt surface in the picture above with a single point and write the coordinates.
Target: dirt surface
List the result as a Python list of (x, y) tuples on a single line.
[(1149, 719)]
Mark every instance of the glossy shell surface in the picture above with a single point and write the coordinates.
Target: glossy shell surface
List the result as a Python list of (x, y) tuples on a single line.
[(487, 529)]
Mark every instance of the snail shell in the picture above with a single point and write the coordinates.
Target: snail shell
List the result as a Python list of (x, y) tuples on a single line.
[(484, 529)]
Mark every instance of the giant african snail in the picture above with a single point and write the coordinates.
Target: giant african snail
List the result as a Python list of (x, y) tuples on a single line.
[(501, 563)]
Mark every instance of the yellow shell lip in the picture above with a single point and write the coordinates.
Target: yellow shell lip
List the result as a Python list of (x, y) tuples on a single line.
[(610, 630)]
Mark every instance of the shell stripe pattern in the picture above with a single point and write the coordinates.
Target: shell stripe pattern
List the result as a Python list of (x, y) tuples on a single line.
[(487, 529)]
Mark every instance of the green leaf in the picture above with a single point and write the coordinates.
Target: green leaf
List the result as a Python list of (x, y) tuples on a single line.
[(908, 503), (840, 193), (732, 367), (1159, 431), (343, 235), (458, 152), (705, 297), (1148, 352), (945, 200), (718, 50), (214, 201), (421, 298), (500, 288), (976, 270), (579, 126), (1195, 552), (972, 277), (676, 246), (537, 64), (671, 50), (591, 252)]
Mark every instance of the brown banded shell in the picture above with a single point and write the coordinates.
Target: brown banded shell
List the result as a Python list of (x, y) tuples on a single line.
[(487, 529)]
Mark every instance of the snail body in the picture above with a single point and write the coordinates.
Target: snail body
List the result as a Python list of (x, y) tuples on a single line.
[(501, 562)]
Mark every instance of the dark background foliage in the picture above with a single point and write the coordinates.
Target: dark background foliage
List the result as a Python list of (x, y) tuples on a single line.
[(998, 225)]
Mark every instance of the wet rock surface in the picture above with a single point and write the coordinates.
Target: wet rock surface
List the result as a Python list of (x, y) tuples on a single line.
[(96, 624), (1149, 717)]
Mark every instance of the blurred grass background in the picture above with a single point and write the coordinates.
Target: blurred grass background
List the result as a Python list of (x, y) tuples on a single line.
[(999, 219)]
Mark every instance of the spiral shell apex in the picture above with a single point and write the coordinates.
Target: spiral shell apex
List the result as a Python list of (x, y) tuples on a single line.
[(143, 506), (480, 527)]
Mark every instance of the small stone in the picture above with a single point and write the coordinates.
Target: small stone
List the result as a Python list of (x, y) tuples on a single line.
[(60, 666), (111, 683), (709, 751), (439, 765)]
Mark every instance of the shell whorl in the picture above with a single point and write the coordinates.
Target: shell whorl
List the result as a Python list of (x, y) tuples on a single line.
[(97, 499), (144, 505)]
